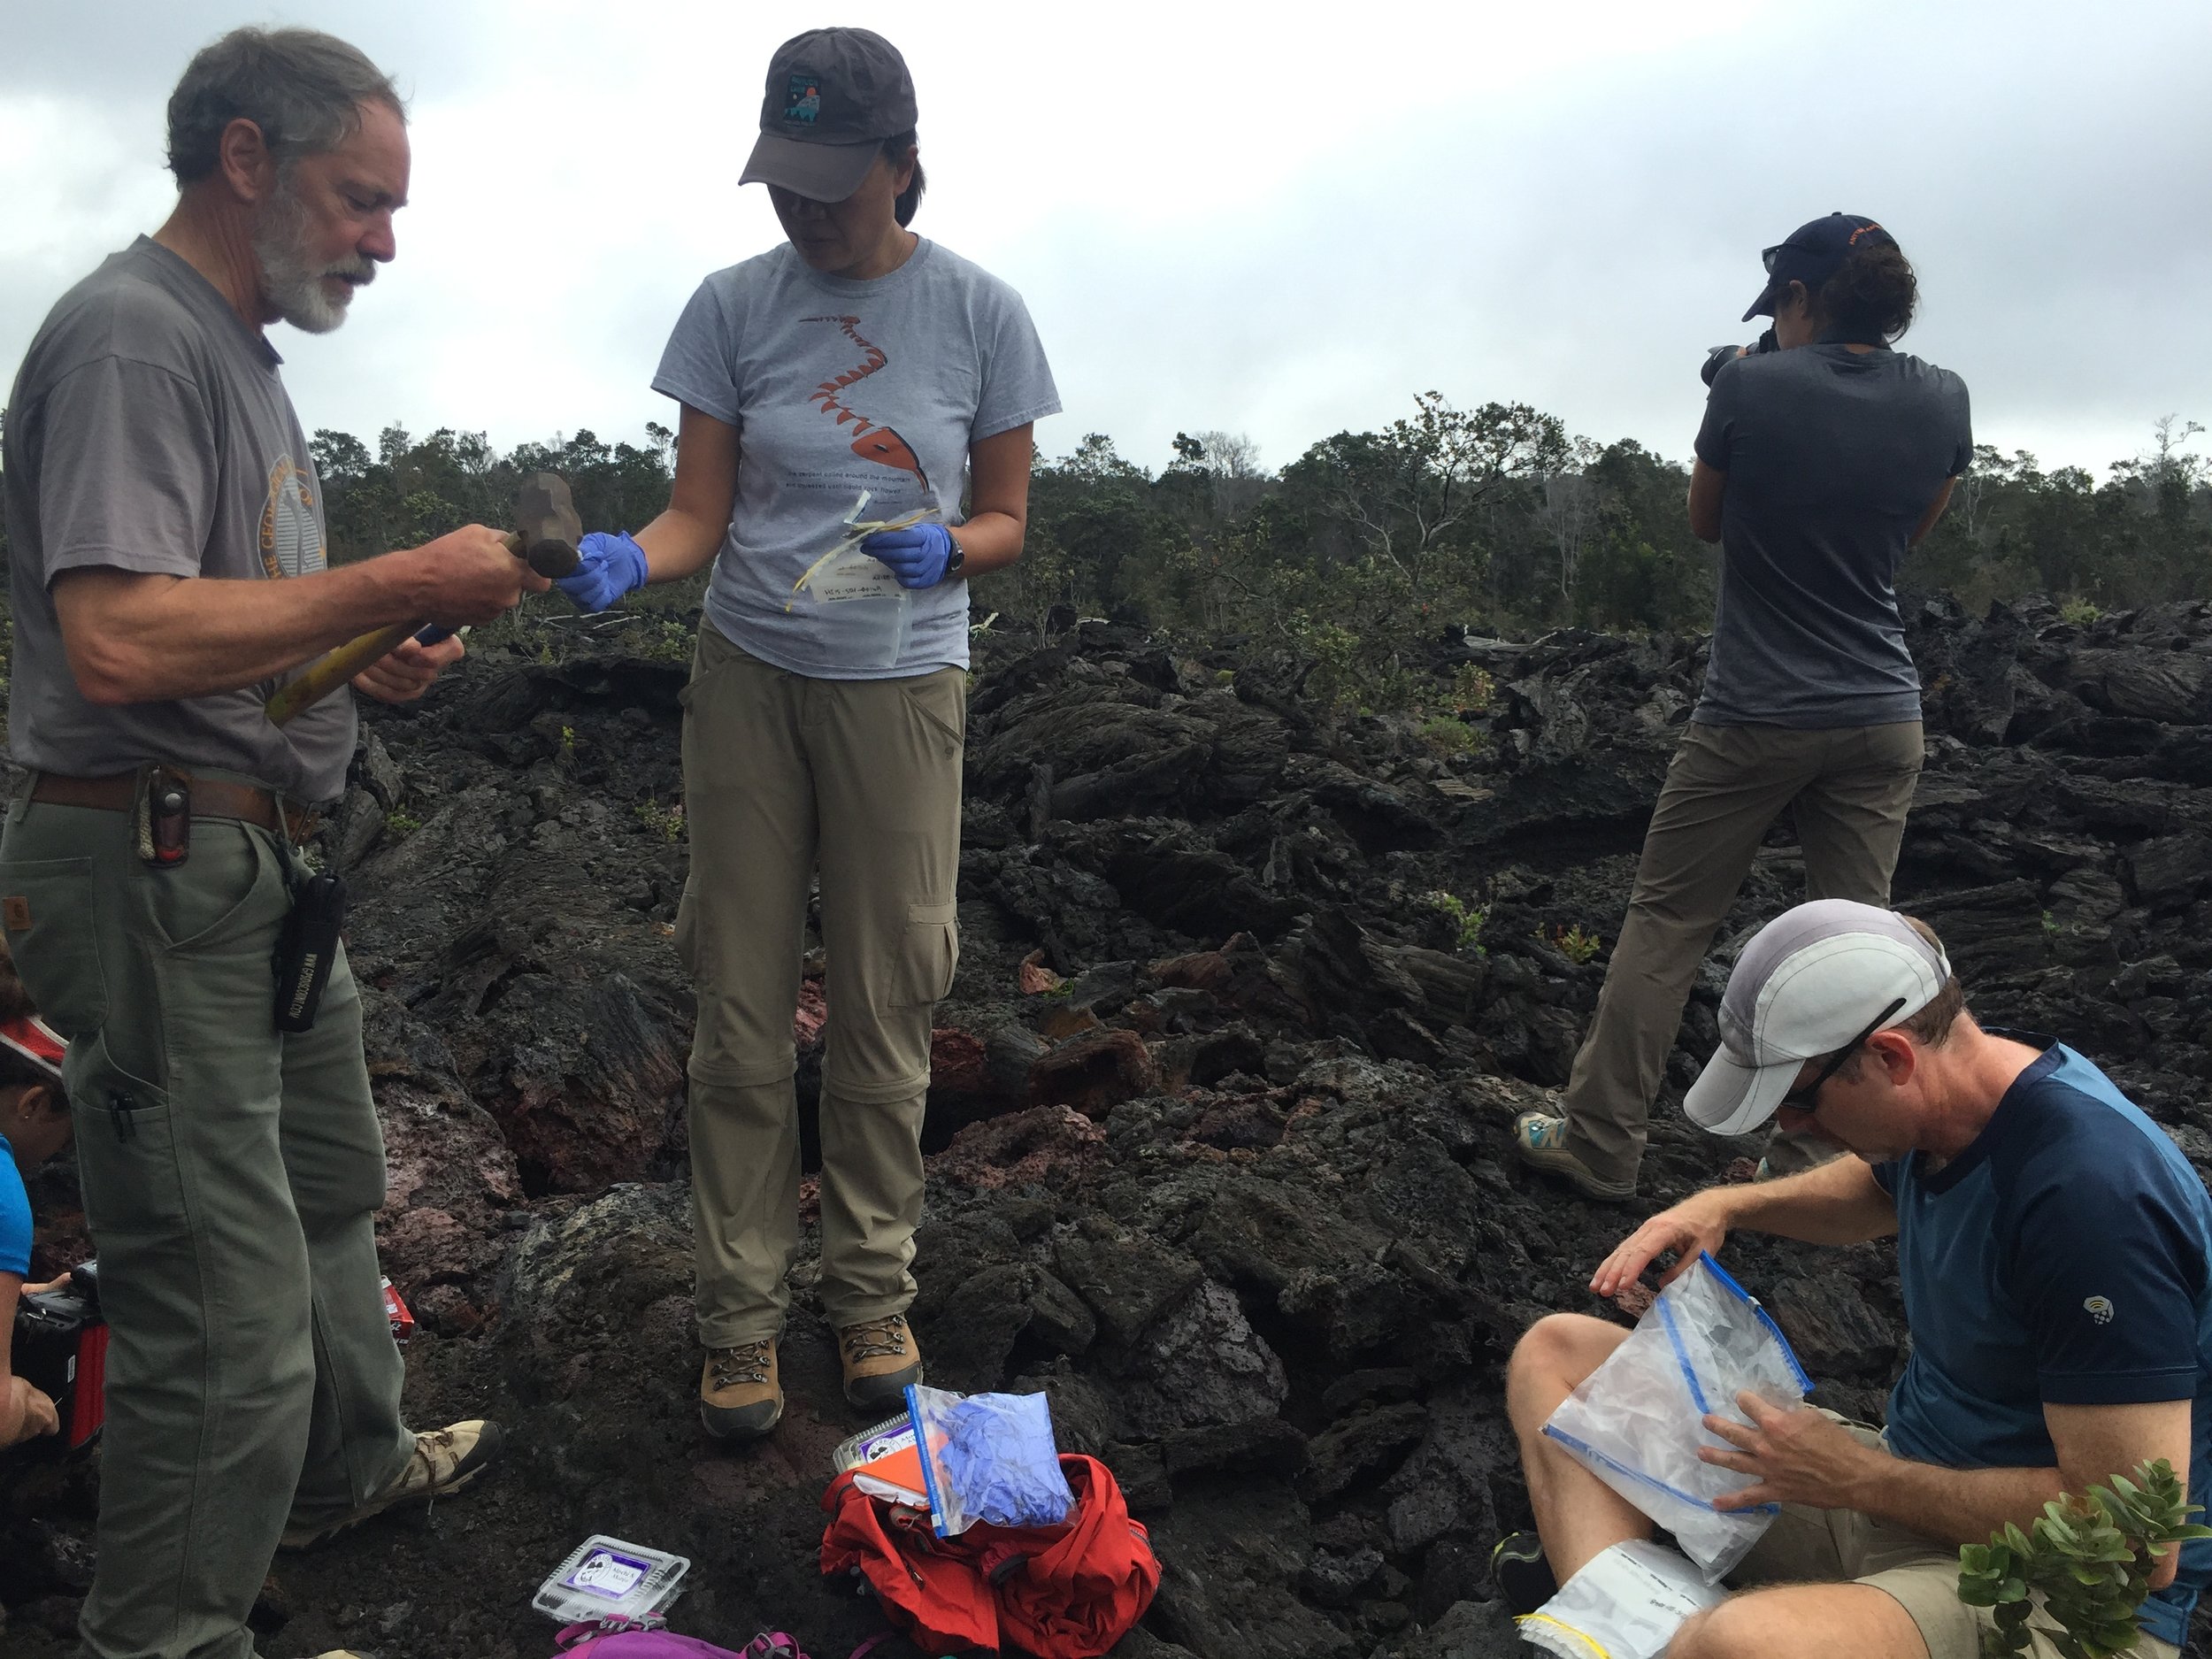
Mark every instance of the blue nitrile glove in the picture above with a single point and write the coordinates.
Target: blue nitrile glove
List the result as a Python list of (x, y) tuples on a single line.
[(919, 553), (999, 1456), (608, 564)]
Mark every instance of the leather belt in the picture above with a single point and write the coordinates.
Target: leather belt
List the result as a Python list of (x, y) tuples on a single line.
[(211, 798)]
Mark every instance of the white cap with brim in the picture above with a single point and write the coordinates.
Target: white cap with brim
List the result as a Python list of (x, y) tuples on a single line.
[(1807, 984)]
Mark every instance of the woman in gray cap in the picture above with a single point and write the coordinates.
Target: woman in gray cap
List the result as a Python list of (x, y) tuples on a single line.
[(855, 444), (1823, 458)]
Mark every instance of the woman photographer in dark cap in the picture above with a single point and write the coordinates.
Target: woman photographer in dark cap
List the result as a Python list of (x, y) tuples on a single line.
[(1824, 454), (855, 444)]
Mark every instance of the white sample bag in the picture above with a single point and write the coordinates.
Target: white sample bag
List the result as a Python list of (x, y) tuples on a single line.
[(1625, 1603), (1636, 1421)]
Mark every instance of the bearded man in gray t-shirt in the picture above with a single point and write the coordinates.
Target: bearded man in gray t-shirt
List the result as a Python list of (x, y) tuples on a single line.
[(168, 572)]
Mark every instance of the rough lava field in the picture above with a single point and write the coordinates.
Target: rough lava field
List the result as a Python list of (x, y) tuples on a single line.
[(1219, 1126)]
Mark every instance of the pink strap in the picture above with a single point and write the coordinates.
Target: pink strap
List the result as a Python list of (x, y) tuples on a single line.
[(872, 1643)]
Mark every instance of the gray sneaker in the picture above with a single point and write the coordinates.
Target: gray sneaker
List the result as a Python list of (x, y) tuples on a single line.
[(445, 1461), (1541, 1140)]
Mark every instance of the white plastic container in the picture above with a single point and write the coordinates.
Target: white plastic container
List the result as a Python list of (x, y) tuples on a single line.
[(606, 1578)]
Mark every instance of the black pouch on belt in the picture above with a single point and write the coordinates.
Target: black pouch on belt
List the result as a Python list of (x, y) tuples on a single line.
[(306, 949)]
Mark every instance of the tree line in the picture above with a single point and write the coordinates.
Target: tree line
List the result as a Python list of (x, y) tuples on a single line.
[(1493, 517)]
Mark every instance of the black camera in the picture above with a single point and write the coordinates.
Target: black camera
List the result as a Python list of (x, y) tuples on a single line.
[(1719, 355), (61, 1348)]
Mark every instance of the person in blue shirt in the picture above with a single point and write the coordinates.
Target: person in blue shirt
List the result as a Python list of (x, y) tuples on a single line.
[(34, 1126), (2055, 1250)]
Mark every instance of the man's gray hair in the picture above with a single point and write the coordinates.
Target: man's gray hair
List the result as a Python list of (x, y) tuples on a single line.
[(302, 87)]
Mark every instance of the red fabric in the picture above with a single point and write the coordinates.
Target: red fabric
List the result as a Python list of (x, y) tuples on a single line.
[(1065, 1592), (1087, 1590), (939, 1600)]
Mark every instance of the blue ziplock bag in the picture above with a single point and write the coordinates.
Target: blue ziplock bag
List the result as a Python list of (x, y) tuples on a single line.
[(989, 1457), (1637, 1420)]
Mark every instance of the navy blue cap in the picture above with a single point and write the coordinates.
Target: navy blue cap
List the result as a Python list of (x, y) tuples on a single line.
[(1814, 252)]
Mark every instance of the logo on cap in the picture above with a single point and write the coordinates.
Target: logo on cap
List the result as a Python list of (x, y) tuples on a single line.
[(802, 98)]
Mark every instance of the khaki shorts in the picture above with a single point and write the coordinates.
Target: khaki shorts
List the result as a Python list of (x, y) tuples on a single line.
[(1808, 1545)]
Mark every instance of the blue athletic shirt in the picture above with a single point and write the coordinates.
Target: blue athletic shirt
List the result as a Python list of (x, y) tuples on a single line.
[(15, 1219), (2064, 1258)]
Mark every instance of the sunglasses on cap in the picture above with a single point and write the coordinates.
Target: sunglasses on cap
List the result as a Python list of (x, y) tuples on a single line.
[(1806, 1099)]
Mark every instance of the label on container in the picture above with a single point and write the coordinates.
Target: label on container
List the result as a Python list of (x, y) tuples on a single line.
[(854, 576), (607, 1574)]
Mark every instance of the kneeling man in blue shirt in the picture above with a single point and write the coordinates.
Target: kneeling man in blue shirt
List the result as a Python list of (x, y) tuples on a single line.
[(2055, 1254)]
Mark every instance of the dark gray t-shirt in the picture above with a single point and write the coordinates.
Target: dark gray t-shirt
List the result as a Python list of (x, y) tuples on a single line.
[(1833, 457), (838, 387), (149, 430)]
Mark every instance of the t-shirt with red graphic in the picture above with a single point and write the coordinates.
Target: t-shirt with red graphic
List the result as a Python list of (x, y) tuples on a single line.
[(838, 387)]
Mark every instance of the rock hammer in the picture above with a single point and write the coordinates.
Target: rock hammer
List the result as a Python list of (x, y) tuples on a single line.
[(546, 532)]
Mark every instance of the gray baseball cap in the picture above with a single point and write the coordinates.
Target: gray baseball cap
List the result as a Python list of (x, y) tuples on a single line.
[(1808, 982), (834, 97)]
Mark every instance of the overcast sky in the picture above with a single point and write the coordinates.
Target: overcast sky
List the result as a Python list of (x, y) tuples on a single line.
[(1282, 220)]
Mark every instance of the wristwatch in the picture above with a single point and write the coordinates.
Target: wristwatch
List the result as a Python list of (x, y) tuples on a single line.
[(956, 558)]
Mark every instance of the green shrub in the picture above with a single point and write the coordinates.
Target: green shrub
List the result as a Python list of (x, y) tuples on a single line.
[(2090, 1558)]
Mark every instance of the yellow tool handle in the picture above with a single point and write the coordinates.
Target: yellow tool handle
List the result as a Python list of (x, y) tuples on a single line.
[(333, 669)]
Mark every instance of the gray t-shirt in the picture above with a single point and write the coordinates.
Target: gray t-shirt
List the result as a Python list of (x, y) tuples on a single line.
[(1833, 456), (838, 386), (149, 430)]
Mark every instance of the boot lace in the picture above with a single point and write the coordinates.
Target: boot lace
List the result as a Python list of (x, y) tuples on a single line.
[(874, 1339), (747, 1362)]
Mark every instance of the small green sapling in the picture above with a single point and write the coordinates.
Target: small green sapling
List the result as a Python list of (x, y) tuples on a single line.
[(2091, 1558)]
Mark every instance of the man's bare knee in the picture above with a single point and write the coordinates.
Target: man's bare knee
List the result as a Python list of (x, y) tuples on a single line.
[(1727, 1631), (1555, 1355), (1568, 1346)]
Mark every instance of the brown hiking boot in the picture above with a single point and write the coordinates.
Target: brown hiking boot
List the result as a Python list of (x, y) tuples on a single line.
[(881, 1360), (445, 1461), (740, 1398)]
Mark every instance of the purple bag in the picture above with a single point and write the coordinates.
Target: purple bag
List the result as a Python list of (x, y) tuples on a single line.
[(590, 1639)]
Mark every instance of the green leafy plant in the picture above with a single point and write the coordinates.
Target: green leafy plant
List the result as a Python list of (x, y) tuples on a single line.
[(2089, 1559), (400, 825), (1573, 943), (2079, 613), (1448, 736), (1467, 919), (667, 822), (1473, 691), (568, 742)]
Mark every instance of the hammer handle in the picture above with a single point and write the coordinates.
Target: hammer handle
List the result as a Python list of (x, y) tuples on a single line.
[(334, 668)]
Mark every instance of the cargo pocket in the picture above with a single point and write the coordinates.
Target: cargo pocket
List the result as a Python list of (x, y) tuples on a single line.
[(125, 1149), (930, 953), (46, 907)]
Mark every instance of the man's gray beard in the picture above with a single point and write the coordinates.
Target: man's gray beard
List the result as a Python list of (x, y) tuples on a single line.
[(290, 283)]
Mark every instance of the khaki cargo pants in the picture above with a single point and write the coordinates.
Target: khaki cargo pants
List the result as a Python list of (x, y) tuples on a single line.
[(231, 1177), (858, 779), (1848, 789), (1808, 1546)]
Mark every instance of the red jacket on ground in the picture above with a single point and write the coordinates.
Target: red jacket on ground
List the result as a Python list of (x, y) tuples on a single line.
[(1065, 1592)]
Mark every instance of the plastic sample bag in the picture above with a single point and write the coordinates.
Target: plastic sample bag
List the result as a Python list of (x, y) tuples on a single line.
[(989, 1457), (1625, 1603), (1637, 1420)]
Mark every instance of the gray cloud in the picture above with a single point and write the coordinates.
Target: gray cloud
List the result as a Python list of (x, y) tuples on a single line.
[(1285, 238)]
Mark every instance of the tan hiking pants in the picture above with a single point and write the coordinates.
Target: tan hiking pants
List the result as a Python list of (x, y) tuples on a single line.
[(784, 776), (1848, 789)]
